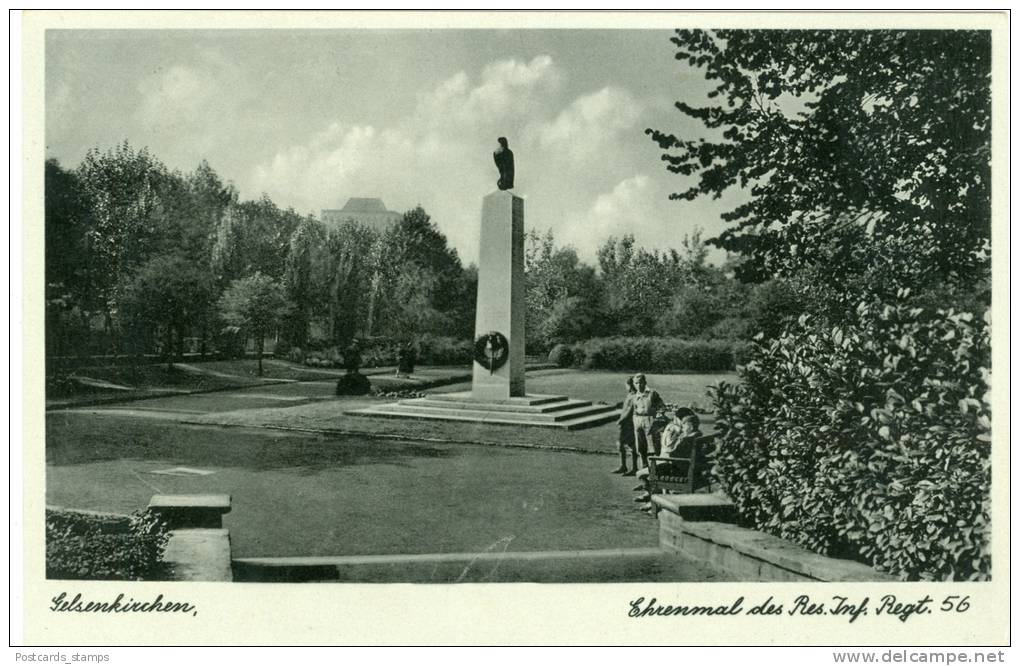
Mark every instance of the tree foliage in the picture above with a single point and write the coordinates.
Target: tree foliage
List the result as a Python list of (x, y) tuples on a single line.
[(351, 280), (865, 152), (868, 439), (422, 286), (640, 284), (255, 304), (164, 299), (304, 272), (563, 295)]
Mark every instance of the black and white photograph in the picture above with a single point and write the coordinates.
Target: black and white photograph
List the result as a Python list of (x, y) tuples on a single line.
[(677, 310)]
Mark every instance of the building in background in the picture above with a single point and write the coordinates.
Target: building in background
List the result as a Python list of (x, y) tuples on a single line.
[(369, 211)]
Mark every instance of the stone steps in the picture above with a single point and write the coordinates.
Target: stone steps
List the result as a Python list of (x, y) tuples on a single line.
[(571, 412), (557, 405), (546, 411)]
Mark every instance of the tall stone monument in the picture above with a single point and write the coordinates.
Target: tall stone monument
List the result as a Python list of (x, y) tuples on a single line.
[(499, 315), (497, 393)]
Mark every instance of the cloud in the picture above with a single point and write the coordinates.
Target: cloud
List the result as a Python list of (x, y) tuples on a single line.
[(506, 88), (627, 208), (178, 95), (590, 124), (438, 155)]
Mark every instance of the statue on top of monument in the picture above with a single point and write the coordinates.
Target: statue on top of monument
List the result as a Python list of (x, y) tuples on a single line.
[(505, 163)]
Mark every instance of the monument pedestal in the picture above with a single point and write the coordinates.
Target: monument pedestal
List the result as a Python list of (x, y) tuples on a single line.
[(497, 389), (500, 305)]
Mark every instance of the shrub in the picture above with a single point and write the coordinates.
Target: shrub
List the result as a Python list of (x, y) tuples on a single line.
[(730, 328), (655, 354), (741, 353), (282, 348), (437, 350), (701, 356), (85, 546), (562, 356), (693, 310), (869, 439), (578, 355)]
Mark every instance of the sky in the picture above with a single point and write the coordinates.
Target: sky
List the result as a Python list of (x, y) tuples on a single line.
[(313, 117)]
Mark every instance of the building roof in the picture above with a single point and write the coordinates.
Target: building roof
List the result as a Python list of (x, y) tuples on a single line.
[(368, 211), (364, 205)]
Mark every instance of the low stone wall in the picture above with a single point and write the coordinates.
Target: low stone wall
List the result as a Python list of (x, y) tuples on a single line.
[(689, 525), (199, 546)]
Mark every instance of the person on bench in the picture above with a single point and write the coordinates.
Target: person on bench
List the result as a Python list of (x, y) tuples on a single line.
[(678, 439)]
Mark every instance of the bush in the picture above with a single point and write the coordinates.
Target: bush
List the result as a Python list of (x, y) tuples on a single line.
[(655, 354), (730, 328), (282, 348), (693, 310), (85, 546), (437, 350), (869, 439), (562, 356), (353, 383), (579, 355)]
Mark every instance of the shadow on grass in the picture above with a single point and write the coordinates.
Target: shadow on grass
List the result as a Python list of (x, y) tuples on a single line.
[(73, 440)]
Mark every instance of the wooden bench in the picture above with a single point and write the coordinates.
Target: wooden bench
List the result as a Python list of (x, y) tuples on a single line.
[(680, 475)]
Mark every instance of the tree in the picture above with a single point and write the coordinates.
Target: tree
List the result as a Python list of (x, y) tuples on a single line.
[(640, 284), (865, 153), (255, 304), (304, 278), (167, 296), (123, 188), (693, 310), (422, 285), (563, 295), (253, 236), (70, 268), (350, 279)]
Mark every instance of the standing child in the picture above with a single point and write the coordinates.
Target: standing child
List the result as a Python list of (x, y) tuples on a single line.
[(625, 439)]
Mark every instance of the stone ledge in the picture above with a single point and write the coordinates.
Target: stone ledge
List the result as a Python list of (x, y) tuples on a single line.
[(715, 506), (756, 555), (199, 555), (190, 511)]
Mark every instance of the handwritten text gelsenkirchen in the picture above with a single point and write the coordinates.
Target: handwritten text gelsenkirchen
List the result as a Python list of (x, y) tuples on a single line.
[(61, 604)]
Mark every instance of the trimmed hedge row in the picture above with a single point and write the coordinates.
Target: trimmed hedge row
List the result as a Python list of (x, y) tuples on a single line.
[(431, 350), (650, 354), (85, 546), (870, 439)]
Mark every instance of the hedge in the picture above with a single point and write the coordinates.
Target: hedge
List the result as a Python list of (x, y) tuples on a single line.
[(650, 354), (431, 350), (85, 546), (870, 440)]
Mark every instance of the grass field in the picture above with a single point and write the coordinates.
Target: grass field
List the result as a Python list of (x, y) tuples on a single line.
[(328, 414), (610, 387), (306, 495), (161, 377), (400, 486)]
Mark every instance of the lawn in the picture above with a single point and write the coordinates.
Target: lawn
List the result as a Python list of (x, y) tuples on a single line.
[(158, 376), (271, 369), (328, 414), (610, 387), (297, 494)]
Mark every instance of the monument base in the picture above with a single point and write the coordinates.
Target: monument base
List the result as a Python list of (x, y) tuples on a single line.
[(550, 411)]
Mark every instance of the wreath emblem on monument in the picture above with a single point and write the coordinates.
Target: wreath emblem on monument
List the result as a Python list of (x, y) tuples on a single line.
[(491, 350)]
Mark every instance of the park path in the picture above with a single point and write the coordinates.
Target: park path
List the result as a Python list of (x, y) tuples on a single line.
[(208, 372)]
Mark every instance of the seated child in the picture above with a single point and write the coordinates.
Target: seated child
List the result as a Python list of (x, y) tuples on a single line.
[(678, 440)]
